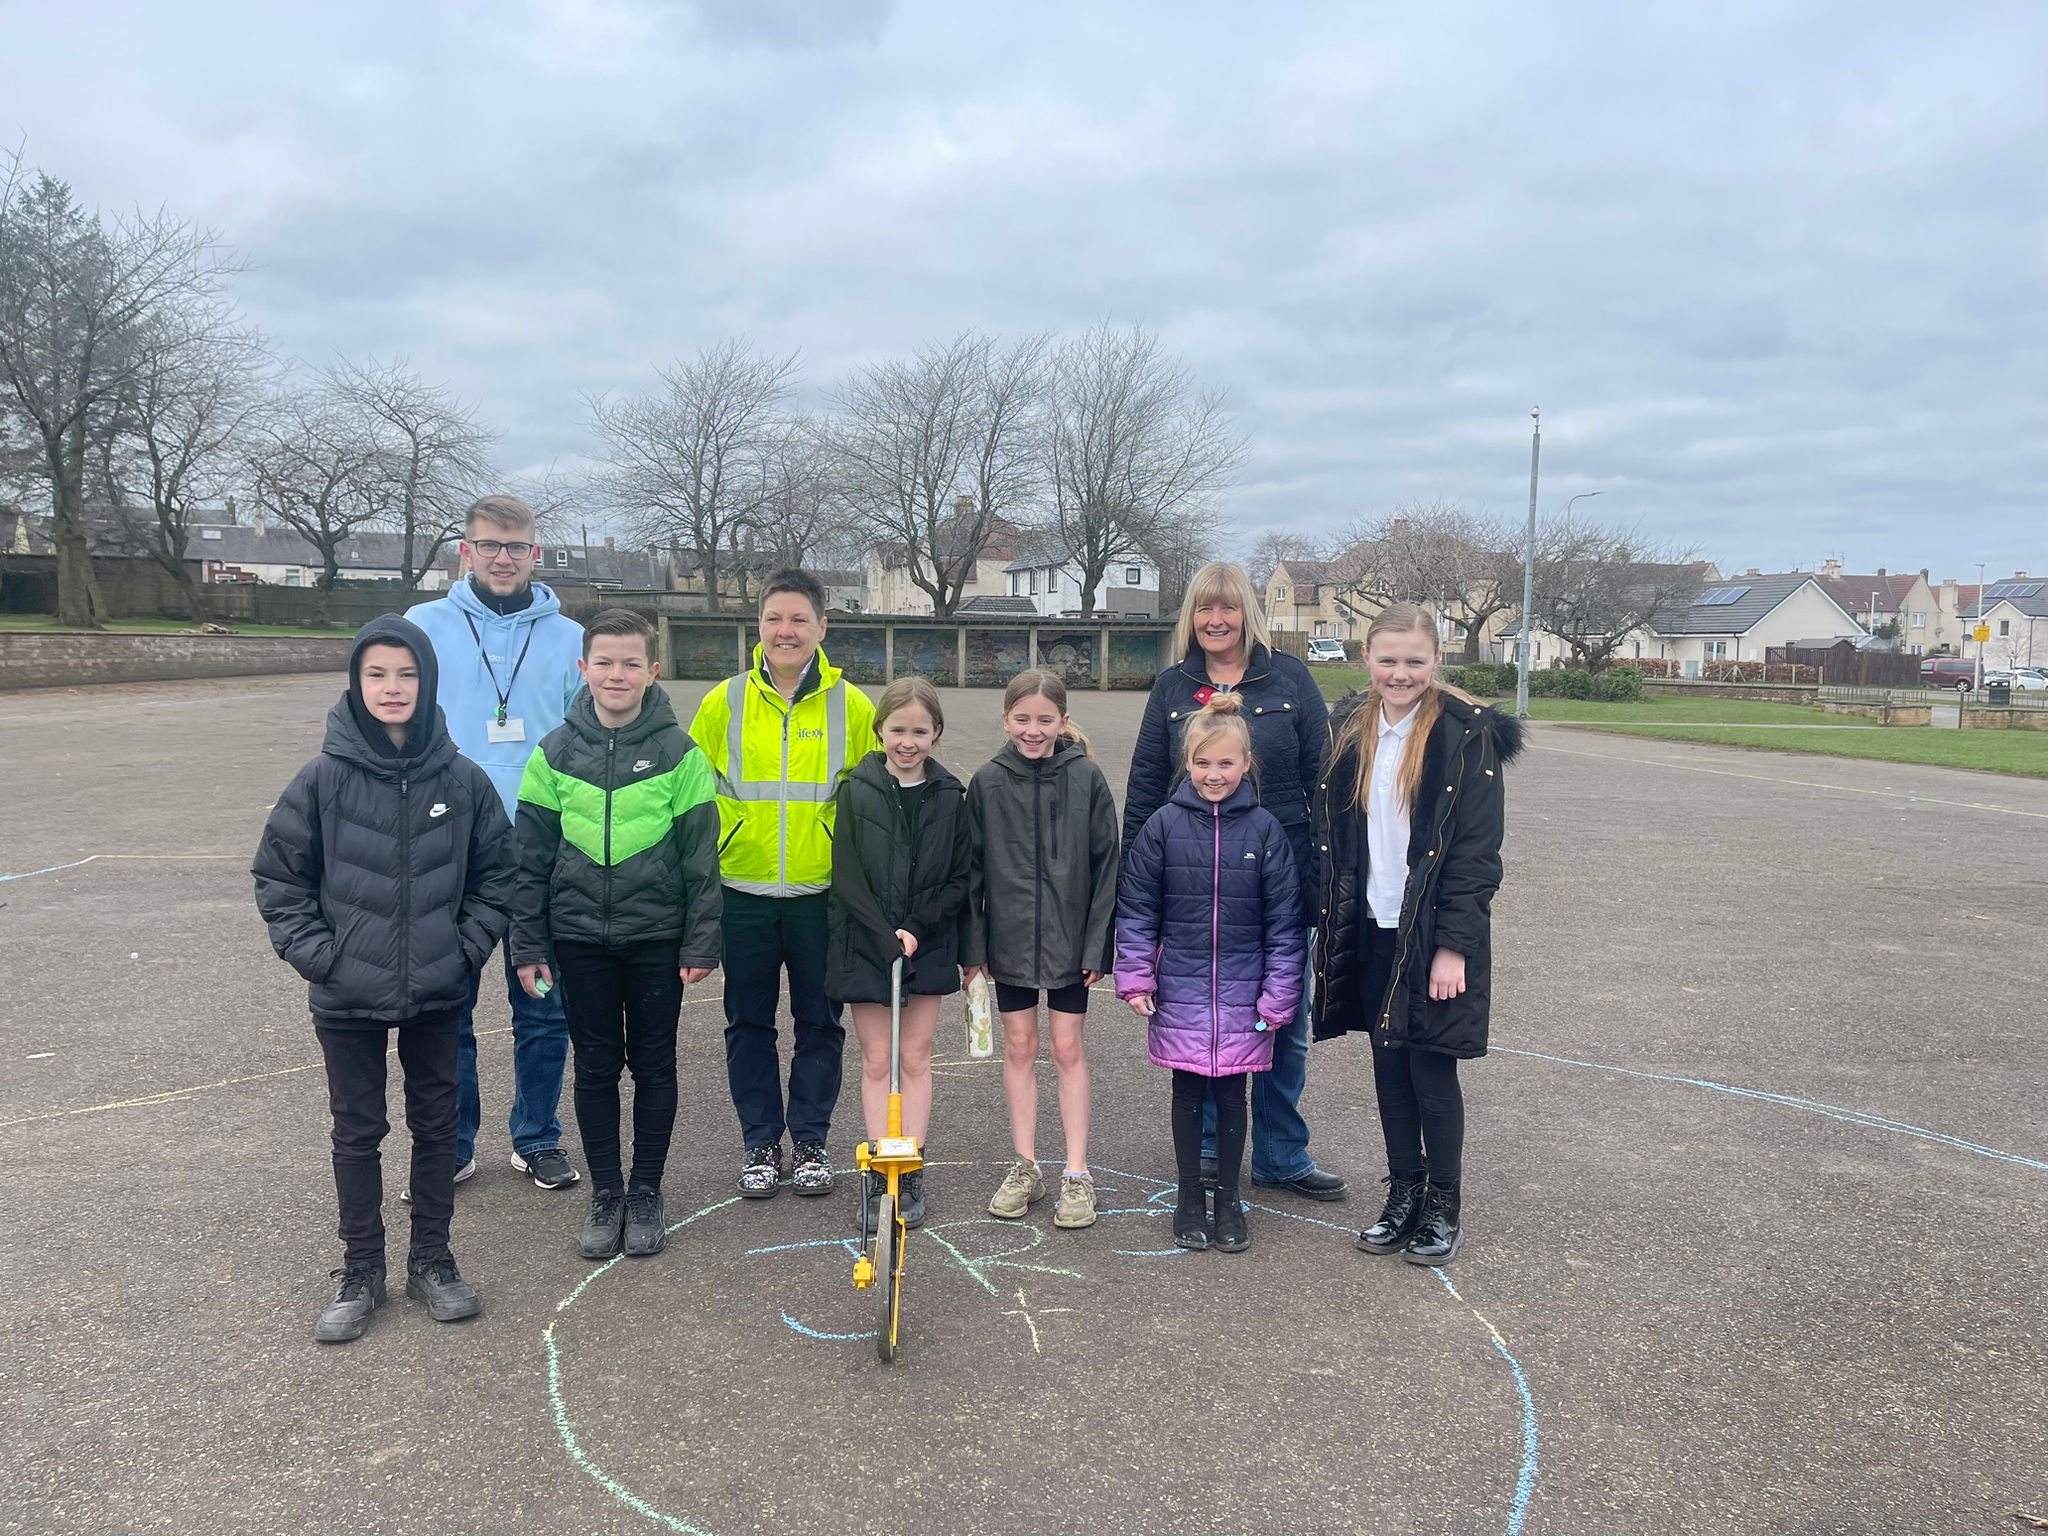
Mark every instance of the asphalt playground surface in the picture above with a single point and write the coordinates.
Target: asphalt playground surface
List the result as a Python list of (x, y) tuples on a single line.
[(1756, 1194)]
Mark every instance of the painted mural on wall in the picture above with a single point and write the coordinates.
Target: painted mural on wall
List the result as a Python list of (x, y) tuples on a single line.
[(1070, 654), (704, 650), (994, 656), (927, 653)]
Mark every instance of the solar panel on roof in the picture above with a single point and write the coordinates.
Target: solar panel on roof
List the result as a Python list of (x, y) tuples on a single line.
[(1720, 597), (2013, 589)]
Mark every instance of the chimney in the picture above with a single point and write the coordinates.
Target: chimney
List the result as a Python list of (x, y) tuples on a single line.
[(609, 546), (1880, 570), (2019, 575), (1828, 567), (963, 506), (1752, 571)]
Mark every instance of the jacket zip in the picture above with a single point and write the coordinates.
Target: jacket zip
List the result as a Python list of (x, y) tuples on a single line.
[(1215, 933), (405, 891), (782, 807), (611, 745), (1038, 868), (1408, 926)]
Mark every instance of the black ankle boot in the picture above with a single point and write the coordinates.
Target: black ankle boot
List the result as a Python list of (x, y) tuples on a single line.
[(1232, 1233), (1191, 1218), (1398, 1219), (1437, 1237)]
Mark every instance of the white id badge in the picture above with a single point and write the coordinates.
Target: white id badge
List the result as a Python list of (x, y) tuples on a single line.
[(505, 730)]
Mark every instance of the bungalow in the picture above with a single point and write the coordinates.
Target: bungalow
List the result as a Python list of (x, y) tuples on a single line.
[(2016, 613), (1742, 618)]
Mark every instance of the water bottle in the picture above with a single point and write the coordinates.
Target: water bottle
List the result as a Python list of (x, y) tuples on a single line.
[(981, 1019)]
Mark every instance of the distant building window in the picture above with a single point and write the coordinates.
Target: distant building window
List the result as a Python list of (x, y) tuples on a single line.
[(1916, 650), (1919, 622), (562, 558), (291, 576), (1132, 575), (1052, 582), (2004, 627), (1279, 594), (209, 533), (1034, 583)]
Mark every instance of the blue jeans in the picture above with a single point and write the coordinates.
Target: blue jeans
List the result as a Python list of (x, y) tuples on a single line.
[(540, 1050), (1279, 1134)]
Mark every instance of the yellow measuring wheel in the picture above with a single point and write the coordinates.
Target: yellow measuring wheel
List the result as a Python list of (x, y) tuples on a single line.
[(892, 1156)]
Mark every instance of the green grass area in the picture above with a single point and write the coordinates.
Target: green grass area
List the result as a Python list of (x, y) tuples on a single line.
[(16, 623), (2017, 752), (1661, 708)]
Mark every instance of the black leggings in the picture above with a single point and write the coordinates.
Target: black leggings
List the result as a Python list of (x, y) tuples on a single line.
[(1072, 998), (1421, 1104), (1192, 1092), (623, 1005)]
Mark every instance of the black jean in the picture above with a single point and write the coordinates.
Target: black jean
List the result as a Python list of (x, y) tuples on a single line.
[(1421, 1104), (763, 935), (1192, 1094), (355, 1098), (623, 1007)]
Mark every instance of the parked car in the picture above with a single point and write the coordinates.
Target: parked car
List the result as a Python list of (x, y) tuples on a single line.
[(1955, 672), (1321, 648), (2029, 678)]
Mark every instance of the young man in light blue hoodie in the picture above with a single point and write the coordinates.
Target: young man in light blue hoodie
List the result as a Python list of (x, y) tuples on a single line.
[(507, 656)]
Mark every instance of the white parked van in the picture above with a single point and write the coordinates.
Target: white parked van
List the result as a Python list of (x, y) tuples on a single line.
[(1322, 648)]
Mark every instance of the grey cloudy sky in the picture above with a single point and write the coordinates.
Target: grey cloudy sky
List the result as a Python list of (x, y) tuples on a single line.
[(1773, 270)]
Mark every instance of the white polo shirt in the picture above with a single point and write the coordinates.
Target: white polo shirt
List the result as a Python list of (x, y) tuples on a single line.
[(1386, 825)]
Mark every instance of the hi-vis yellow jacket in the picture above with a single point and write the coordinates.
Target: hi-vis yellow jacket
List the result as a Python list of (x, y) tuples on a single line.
[(778, 767)]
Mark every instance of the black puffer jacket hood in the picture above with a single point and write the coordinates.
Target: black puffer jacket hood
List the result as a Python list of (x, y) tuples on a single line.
[(1041, 902), (1454, 868), (426, 732)]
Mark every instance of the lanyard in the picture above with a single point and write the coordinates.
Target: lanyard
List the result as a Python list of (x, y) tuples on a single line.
[(505, 693)]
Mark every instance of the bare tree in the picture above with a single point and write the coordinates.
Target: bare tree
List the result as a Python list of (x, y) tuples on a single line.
[(940, 451), (77, 296), (795, 520), (180, 437), (1596, 584), (1132, 446), (1464, 564), (688, 462), (318, 467), (439, 451), (1270, 546)]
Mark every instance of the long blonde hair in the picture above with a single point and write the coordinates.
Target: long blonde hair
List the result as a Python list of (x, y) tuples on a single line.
[(1361, 729), (1222, 582), (1053, 688)]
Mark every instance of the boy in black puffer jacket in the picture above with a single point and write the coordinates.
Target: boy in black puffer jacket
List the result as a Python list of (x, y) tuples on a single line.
[(618, 865), (385, 875)]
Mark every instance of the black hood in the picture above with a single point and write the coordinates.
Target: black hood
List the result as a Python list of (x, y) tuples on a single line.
[(356, 734), (1065, 752)]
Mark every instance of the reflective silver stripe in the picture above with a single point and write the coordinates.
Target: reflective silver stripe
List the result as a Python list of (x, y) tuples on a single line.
[(735, 713), (774, 888), (775, 789), (835, 734)]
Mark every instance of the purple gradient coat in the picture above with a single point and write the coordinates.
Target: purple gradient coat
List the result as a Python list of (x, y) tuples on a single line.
[(1209, 922)]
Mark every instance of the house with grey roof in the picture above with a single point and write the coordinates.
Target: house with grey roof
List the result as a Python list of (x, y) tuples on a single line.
[(1739, 619), (2016, 612)]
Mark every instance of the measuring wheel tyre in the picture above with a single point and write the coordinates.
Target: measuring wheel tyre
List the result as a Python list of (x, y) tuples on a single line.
[(888, 1275)]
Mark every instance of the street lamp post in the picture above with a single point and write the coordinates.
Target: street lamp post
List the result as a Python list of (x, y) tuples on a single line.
[(1529, 564)]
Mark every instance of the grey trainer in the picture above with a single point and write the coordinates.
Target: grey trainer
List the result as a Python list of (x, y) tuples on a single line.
[(348, 1316), (1021, 1186)]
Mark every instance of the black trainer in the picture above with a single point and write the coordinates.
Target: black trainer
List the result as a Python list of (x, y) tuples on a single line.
[(646, 1223), (761, 1173), (348, 1316), (1230, 1233), (549, 1168), (1437, 1237), (1398, 1218), (911, 1190), (439, 1284), (1191, 1219), (604, 1227)]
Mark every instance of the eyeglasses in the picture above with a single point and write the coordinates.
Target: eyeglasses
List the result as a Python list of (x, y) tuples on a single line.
[(491, 548)]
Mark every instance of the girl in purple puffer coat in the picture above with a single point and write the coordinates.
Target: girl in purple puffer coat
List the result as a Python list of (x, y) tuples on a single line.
[(1209, 948)]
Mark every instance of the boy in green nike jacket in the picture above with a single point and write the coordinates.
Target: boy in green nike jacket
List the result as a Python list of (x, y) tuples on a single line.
[(618, 867)]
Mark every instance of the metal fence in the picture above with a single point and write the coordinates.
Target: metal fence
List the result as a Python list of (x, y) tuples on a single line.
[(1920, 698)]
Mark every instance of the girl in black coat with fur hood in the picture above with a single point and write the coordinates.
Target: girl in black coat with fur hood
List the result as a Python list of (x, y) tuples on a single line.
[(1409, 815)]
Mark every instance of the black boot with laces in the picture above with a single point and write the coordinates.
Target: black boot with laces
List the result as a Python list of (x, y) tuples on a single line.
[(1398, 1218), (1437, 1236)]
